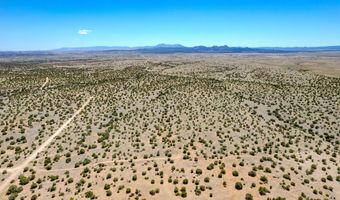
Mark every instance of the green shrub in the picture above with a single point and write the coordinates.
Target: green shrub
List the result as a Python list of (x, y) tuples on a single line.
[(238, 186), (264, 179), (106, 186), (108, 193), (249, 196), (23, 180), (330, 178), (235, 173), (263, 191), (252, 173), (89, 195), (185, 181)]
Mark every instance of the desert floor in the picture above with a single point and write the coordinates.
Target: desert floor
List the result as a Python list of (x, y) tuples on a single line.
[(170, 126)]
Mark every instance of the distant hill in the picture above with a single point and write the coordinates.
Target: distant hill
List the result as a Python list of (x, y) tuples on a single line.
[(178, 48), (203, 49), (168, 46), (163, 48), (303, 49), (95, 48), (172, 48)]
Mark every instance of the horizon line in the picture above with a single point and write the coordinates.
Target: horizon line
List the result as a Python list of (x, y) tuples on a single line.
[(146, 46)]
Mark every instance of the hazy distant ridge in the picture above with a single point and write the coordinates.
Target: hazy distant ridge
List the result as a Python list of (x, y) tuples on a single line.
[(304, 49), (172, 48), (178, 48)]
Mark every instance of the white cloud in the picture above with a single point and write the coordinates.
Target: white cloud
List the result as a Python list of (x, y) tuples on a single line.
[(84, 31)]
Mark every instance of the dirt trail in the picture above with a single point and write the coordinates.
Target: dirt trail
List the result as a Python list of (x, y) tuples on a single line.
[(42, 87), (16, 171)]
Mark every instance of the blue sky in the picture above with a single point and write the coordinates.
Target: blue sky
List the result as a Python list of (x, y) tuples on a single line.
[(45, 24)]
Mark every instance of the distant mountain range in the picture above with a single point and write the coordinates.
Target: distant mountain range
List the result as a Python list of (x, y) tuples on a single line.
[(178, 48), (172, 48), (117, 48)]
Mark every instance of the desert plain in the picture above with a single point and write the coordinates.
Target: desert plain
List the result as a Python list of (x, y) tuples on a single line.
[(121, 125)]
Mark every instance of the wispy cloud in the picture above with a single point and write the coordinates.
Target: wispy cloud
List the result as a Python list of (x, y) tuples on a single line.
[(84, 31)]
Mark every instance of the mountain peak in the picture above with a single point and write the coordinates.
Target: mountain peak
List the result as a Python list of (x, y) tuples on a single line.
[(162, 45)]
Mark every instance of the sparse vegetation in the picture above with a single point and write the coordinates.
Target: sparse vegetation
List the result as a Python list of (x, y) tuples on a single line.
[(182, 125)]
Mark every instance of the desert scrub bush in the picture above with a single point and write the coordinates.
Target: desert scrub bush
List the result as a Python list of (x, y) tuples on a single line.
[(90, 195), (224, 183), (252, 173), (238, 186), (338, 178), (268, 170), (235, 173), (263, 191), (185, 181), (23, 180), (183, 192), (249, 196), (197, 191), (14, 190), (34, 185), (286, 176), (108, 193), (264, 179), (330, 178), (210, 166), (106, 186)]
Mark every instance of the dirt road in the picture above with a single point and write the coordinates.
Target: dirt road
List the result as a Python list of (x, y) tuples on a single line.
[(42, 87), (16, 171)]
